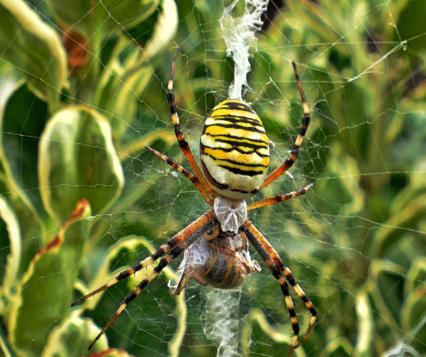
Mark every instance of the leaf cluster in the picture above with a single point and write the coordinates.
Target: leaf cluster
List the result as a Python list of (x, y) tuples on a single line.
[(82, 87)]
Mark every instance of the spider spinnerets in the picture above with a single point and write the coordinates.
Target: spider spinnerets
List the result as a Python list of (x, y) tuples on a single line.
[(234, 153)]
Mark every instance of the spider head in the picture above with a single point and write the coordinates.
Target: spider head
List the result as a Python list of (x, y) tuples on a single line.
[(230, 213)]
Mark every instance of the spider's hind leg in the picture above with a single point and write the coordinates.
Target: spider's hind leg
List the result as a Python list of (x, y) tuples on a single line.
[(278, 269)]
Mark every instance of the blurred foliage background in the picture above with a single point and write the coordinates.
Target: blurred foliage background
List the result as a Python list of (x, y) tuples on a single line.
[(82, 91)]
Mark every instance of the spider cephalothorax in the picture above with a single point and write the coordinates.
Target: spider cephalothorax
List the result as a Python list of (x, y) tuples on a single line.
[(230, 213), (234, 155)]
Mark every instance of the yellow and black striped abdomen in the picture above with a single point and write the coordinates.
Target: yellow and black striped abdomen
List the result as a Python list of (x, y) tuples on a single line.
[(234, 150)]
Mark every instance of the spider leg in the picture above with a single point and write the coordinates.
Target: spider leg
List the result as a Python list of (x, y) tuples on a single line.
[(176, 241), (183, 282), (298, 142), (279, 198), (214, 233), (174, 253), (277, 268), (179, 133), (186, 275), (194, 179)]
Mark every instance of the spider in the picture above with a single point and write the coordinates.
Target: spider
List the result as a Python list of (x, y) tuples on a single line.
[(234, 153)]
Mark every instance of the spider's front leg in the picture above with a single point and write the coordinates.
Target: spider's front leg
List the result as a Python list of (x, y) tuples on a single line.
[(277, 268), (173, 247), (299, 139), (204, 188)]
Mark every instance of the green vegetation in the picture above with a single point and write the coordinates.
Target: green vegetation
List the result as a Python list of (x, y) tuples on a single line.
[(82, 91)]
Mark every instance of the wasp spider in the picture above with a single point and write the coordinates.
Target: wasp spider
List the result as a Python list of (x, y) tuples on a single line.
[(234, 153)]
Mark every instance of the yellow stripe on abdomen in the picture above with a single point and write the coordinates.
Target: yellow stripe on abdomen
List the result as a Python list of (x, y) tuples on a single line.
[(234, 150)]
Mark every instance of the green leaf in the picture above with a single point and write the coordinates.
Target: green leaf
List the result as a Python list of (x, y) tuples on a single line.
[(20, 111), (365, 325), (106, 16), (44, 294), (23, 121), (127, 76), (410, 24), (338, 347), (413, 319), (164, 30), (131, 150), (386, 286), (258, 325), (121, 85), (4, 346), (114, 352), (345, 191), (390, 234), (72, 337), (416, 276), (78, 159), (33, 48), (11, 263)]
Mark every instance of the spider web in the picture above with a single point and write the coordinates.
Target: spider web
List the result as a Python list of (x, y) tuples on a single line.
[(354, 242)]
